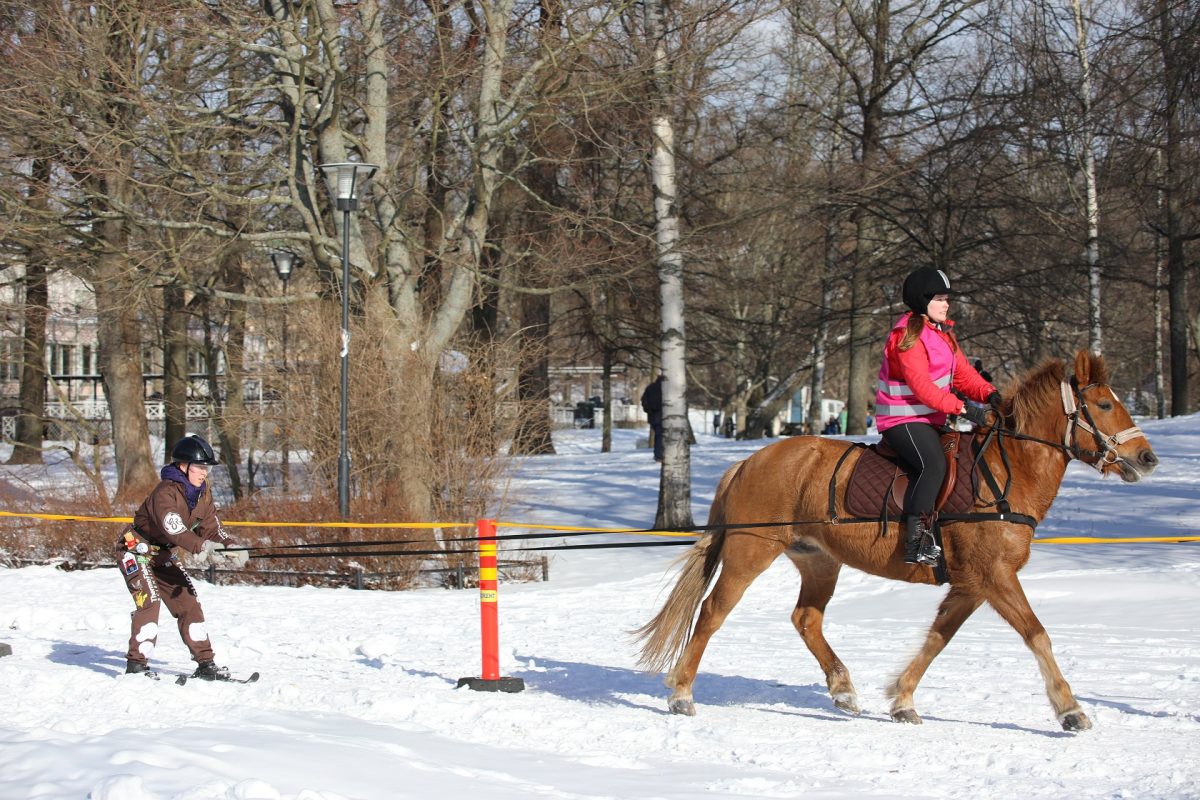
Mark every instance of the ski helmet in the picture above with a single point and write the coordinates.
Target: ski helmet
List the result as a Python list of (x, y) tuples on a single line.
[(923, 284), (192, 449)]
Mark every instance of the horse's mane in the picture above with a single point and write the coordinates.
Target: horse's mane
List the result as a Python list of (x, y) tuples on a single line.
[(1040, 387), (1035, 390)]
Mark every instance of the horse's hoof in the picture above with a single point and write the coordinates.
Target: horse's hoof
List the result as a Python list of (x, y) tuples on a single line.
[(682, 706), (847, 702), (908, 715), (1075, 721)]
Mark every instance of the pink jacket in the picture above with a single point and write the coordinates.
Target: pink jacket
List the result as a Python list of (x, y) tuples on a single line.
[(914, 385)]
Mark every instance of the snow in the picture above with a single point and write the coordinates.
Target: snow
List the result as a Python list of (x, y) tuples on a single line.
[(357, 698)]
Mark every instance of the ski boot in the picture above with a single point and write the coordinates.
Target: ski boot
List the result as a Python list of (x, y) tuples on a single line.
[(140, 668), (208, 671)]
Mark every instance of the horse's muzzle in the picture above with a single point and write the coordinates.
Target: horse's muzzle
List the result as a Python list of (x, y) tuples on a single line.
[(1140, 466)]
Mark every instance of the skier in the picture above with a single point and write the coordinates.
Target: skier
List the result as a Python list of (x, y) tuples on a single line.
[(179, 513)]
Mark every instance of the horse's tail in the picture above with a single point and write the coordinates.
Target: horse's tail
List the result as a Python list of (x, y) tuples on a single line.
[(665, 636)]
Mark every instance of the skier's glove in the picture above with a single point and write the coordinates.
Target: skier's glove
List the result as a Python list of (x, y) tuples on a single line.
[(219, 556), (996, 402)]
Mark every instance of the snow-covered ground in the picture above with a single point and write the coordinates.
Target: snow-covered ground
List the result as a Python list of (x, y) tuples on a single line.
[(357, 698)]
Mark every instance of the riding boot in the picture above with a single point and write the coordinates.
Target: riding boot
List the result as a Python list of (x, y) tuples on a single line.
[(920, 546)]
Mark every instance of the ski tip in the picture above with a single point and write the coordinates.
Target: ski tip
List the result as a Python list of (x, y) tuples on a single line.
[(181, 680)]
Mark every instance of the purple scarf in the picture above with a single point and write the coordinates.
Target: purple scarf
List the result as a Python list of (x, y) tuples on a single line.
[(191, 493)]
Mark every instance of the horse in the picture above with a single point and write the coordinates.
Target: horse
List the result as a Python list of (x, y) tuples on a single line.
[(776, 501)]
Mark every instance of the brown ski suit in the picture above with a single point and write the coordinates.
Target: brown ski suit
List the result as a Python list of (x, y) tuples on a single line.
[(152, 571)]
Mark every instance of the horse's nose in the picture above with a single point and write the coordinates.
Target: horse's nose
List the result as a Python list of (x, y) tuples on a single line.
[(1147, 459)]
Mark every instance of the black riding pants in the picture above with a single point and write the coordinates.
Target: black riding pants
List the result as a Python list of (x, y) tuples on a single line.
[(920, 445)]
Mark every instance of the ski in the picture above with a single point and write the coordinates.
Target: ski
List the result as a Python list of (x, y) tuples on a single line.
[(251, 678)]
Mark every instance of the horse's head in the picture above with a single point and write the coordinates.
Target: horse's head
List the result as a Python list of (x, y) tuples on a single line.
[(1100, 432)]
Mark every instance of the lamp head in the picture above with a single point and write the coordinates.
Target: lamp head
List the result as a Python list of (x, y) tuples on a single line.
[(348, 180), (284, 262)]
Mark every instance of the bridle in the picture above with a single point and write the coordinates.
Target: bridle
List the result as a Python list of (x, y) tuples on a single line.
[(1074, 407), (1106, 444)]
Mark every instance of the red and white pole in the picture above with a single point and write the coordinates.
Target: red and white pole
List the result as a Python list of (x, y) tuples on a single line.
[(489, 617)]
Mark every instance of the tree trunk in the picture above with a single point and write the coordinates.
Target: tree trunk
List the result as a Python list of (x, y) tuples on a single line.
[(864, 347), (175, 366), (27, 446), (606, 398), (772, 402), (233, 405), (119, 336), (1160, 394), (1091, 195), (675, 486), (1177, 273), (532, 436)]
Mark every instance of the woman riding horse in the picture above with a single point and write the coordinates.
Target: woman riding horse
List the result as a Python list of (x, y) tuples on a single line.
[(922, 368)]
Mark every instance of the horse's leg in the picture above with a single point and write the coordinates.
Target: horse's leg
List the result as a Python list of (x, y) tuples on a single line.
[(1005, 594), (743, 559), (957, 606), (818, 579)]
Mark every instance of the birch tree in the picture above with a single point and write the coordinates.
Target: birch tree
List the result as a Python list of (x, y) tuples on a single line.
[(675, 484), (1091, 200)]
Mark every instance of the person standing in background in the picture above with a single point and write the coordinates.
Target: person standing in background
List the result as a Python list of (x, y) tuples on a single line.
[(652, 405)]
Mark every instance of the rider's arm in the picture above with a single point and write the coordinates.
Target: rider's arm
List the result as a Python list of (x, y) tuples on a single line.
[(968, 381)]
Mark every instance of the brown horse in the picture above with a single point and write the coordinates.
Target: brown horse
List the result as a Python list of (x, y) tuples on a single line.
[(1054, 418)]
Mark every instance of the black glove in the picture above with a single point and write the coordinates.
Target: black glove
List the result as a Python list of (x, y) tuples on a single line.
[(996, 402), (976, 415)]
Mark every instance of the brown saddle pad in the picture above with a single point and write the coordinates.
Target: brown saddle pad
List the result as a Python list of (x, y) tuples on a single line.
[(877, 484)]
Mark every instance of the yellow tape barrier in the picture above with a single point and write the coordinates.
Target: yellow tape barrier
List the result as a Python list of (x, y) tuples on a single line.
[(564, 528)]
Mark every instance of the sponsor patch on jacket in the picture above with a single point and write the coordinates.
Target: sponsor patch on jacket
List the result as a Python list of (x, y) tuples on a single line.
[(173, 523), (129, 564)]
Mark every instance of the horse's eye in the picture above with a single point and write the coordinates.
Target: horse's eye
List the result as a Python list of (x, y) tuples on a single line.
[(1105, 405)]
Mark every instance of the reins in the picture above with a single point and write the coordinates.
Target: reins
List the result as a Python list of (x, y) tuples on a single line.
[(1073, 406)]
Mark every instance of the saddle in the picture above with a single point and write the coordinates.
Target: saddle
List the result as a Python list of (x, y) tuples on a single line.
[(880, 478)]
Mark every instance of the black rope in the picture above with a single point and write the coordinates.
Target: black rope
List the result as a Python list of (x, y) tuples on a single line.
[(675, 543), (527, 536), (403, 542), (371, 553)]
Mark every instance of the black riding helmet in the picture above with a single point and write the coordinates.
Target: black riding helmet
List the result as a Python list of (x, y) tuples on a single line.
[(921, 285), (192, 449)]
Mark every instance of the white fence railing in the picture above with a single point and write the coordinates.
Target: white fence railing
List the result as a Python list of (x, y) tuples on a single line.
[(621, 414)]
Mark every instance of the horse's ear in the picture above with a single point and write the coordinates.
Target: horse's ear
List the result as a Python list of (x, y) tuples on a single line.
[(1083, 367), (1090, 368)]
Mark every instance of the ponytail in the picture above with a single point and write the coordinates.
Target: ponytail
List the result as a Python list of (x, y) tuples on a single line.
[(912, 332)]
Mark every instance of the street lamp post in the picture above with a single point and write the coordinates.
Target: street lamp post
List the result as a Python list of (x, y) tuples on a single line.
[(348, 180), (284, 262)]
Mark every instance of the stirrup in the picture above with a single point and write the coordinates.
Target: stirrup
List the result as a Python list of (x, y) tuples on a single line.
[(928, 553), (924, 551)]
